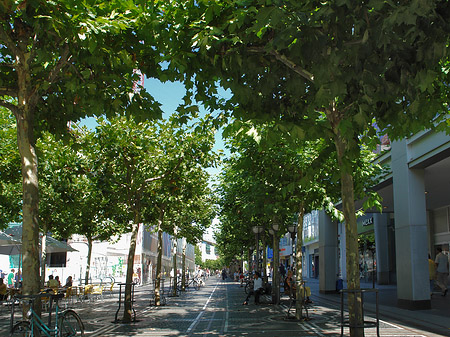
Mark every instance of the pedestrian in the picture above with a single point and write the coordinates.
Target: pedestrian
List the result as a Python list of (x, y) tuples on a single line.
[(11, 279), (432, 272), (257, 289), (241, 278), (441, 271), (282, 271), (18, 279), (57, 279), (290, 288)]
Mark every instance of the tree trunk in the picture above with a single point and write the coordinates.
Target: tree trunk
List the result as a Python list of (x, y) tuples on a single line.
[(88, 261), (249, 259), (159, 260), (299, 264), (174, 261), (351, 232), (30, 228), (276, 270), (183, 265), (130, 269)]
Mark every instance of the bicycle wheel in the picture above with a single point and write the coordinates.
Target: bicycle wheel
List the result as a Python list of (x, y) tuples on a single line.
[(195, 285), (248, 287), (70, 324), (21, 329)]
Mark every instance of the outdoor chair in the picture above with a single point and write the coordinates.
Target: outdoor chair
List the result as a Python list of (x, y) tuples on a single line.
[(109, 290), (97, 292)]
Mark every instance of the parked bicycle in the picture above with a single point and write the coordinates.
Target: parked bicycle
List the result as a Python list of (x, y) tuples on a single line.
[(248, 285), (67, 323), (193, 283)]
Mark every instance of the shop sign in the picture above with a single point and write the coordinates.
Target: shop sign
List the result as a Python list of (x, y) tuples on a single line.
[(365, 224)]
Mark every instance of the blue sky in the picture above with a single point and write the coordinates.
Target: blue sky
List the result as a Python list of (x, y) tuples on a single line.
[(170, 95)]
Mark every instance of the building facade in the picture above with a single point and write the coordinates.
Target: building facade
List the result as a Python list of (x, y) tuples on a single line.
[(415, 221)]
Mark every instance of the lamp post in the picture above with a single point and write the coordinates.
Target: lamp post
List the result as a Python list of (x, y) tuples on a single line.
[(293, 231), (257, 230), (276, 264), (250, 258)]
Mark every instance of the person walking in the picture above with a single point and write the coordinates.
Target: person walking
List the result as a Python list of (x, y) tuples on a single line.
[(11, 279), (282, 271), (441, 271), (432, 272)]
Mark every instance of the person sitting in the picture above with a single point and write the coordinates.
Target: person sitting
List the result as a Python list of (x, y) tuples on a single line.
[(2, 290), (68, 282), (257, 289), (241, 278), (52, 283), (290, 288)]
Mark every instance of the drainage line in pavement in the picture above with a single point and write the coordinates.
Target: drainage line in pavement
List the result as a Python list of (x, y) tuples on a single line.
[(315, 328), (209, 324), (225, 328), (194, 323), (102, 330)]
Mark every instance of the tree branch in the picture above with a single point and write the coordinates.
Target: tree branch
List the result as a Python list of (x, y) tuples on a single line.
[(149, 180), (8, 92), (62, 61), (53, 75), (8, 105), (8, 41), (283, 59)]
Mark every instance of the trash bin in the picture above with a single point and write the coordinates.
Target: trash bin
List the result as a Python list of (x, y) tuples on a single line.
[(339, 284)]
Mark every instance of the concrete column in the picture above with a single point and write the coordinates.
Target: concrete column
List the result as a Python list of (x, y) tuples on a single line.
[(381, 222), (410, 231), (327, 254)]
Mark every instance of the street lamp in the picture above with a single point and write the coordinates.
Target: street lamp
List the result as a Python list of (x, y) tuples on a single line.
[(257, 230), (293, 230), (276, 264)]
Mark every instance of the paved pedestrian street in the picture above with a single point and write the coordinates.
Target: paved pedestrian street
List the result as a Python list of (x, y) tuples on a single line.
[(216, 310)]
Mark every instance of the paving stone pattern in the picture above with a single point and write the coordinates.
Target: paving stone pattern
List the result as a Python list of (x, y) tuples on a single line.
[(216, 310)]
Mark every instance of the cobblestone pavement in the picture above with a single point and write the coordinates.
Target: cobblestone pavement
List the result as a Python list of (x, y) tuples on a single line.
[(216, 310)]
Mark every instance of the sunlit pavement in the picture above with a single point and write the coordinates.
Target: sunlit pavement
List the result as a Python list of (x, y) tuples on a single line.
[(216, 310)]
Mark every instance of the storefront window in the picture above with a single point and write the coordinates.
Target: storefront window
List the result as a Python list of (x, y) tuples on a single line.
[(311, 226)]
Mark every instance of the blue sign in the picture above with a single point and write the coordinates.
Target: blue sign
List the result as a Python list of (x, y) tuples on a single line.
[(269, 253)]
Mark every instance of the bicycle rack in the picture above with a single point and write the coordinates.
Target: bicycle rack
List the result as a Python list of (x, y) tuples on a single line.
[(171, 287), (365, 324), (131, 301), (162, 295)]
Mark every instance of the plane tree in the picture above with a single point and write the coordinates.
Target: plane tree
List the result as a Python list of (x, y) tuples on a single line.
[(322, 69), (61, 61), (70, 200), (188, 151), (191, 214), (144, 170), (128, 161), (287, 176)]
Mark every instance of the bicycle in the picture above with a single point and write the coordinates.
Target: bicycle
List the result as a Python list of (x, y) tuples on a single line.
[(67, 323), (248, 286), (192, 283)]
